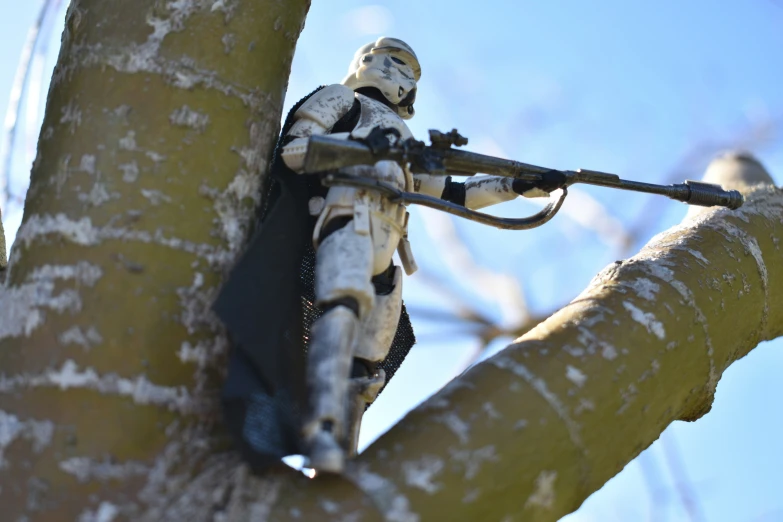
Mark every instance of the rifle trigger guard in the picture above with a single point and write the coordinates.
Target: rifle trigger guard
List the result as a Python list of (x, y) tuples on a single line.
[(398, 196)]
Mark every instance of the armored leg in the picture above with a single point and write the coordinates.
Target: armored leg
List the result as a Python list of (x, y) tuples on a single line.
[(357, 234), (328, 372), (363, 391), (343, 290), (372, 344)]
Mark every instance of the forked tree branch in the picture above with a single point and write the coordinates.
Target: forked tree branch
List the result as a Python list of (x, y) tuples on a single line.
[(531, 432), (159, 123)]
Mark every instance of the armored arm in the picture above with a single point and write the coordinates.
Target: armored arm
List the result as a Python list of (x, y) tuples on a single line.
[(317, 116), (477, 192)]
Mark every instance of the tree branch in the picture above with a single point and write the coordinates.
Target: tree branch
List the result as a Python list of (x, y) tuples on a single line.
[(141, 196), (534, 430), (531, 432)]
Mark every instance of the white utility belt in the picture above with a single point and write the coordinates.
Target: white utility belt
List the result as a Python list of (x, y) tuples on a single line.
[(361, 212)]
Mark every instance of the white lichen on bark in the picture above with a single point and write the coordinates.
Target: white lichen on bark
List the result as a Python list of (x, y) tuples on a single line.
[(187, 117), (394, 506), (139, 388), (507, 363), (85, 469), (12, 428), (646, 319), (23, 307), (83, 232), (544, 494), (422, 472)]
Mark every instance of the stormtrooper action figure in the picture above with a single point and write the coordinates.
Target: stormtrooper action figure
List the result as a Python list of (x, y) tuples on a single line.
[(357, 231)]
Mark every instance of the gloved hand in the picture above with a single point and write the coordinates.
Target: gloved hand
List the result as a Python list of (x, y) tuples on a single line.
[(550, 180), (380, 139)]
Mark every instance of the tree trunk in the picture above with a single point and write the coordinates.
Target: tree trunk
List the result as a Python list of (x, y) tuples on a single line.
[(159, 126), (160, 122)]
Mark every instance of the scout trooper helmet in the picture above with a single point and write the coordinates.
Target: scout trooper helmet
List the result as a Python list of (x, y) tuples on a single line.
[(391, 66)]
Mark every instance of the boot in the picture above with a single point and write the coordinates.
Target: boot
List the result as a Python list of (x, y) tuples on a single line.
[(329, 362), (363, 391)]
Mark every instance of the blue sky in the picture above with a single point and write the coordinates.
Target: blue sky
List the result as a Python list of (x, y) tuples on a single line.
[(646, 90)]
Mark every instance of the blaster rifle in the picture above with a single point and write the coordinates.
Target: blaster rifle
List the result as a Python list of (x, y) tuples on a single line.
[(326, 155)]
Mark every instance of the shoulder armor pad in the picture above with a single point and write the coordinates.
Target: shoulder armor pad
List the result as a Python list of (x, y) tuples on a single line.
[(327, 106)]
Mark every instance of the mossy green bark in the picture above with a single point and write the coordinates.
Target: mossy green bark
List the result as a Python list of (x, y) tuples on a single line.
[(530, 433), (158, 130), (159, 125)]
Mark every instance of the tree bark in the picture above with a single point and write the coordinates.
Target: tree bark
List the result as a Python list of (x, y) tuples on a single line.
[(530, 433), (159, 126), (160, 122)]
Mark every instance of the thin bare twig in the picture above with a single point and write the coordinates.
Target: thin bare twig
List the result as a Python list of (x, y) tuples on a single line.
[(656, 491), (682, 482), (503, 289), (12, 111), (38, 84), (691, 166)]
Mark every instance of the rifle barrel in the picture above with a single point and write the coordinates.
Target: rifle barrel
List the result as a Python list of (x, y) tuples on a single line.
[(466, 163), (691, 192)]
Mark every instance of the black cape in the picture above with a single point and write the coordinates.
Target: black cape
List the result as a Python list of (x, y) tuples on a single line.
[(267, 306)]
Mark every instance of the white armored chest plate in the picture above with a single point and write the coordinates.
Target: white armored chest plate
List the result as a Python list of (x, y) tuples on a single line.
[(375, 113)]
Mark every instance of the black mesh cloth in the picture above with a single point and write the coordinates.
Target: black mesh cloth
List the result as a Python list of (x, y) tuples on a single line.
[(267, 306), (404, 339)]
